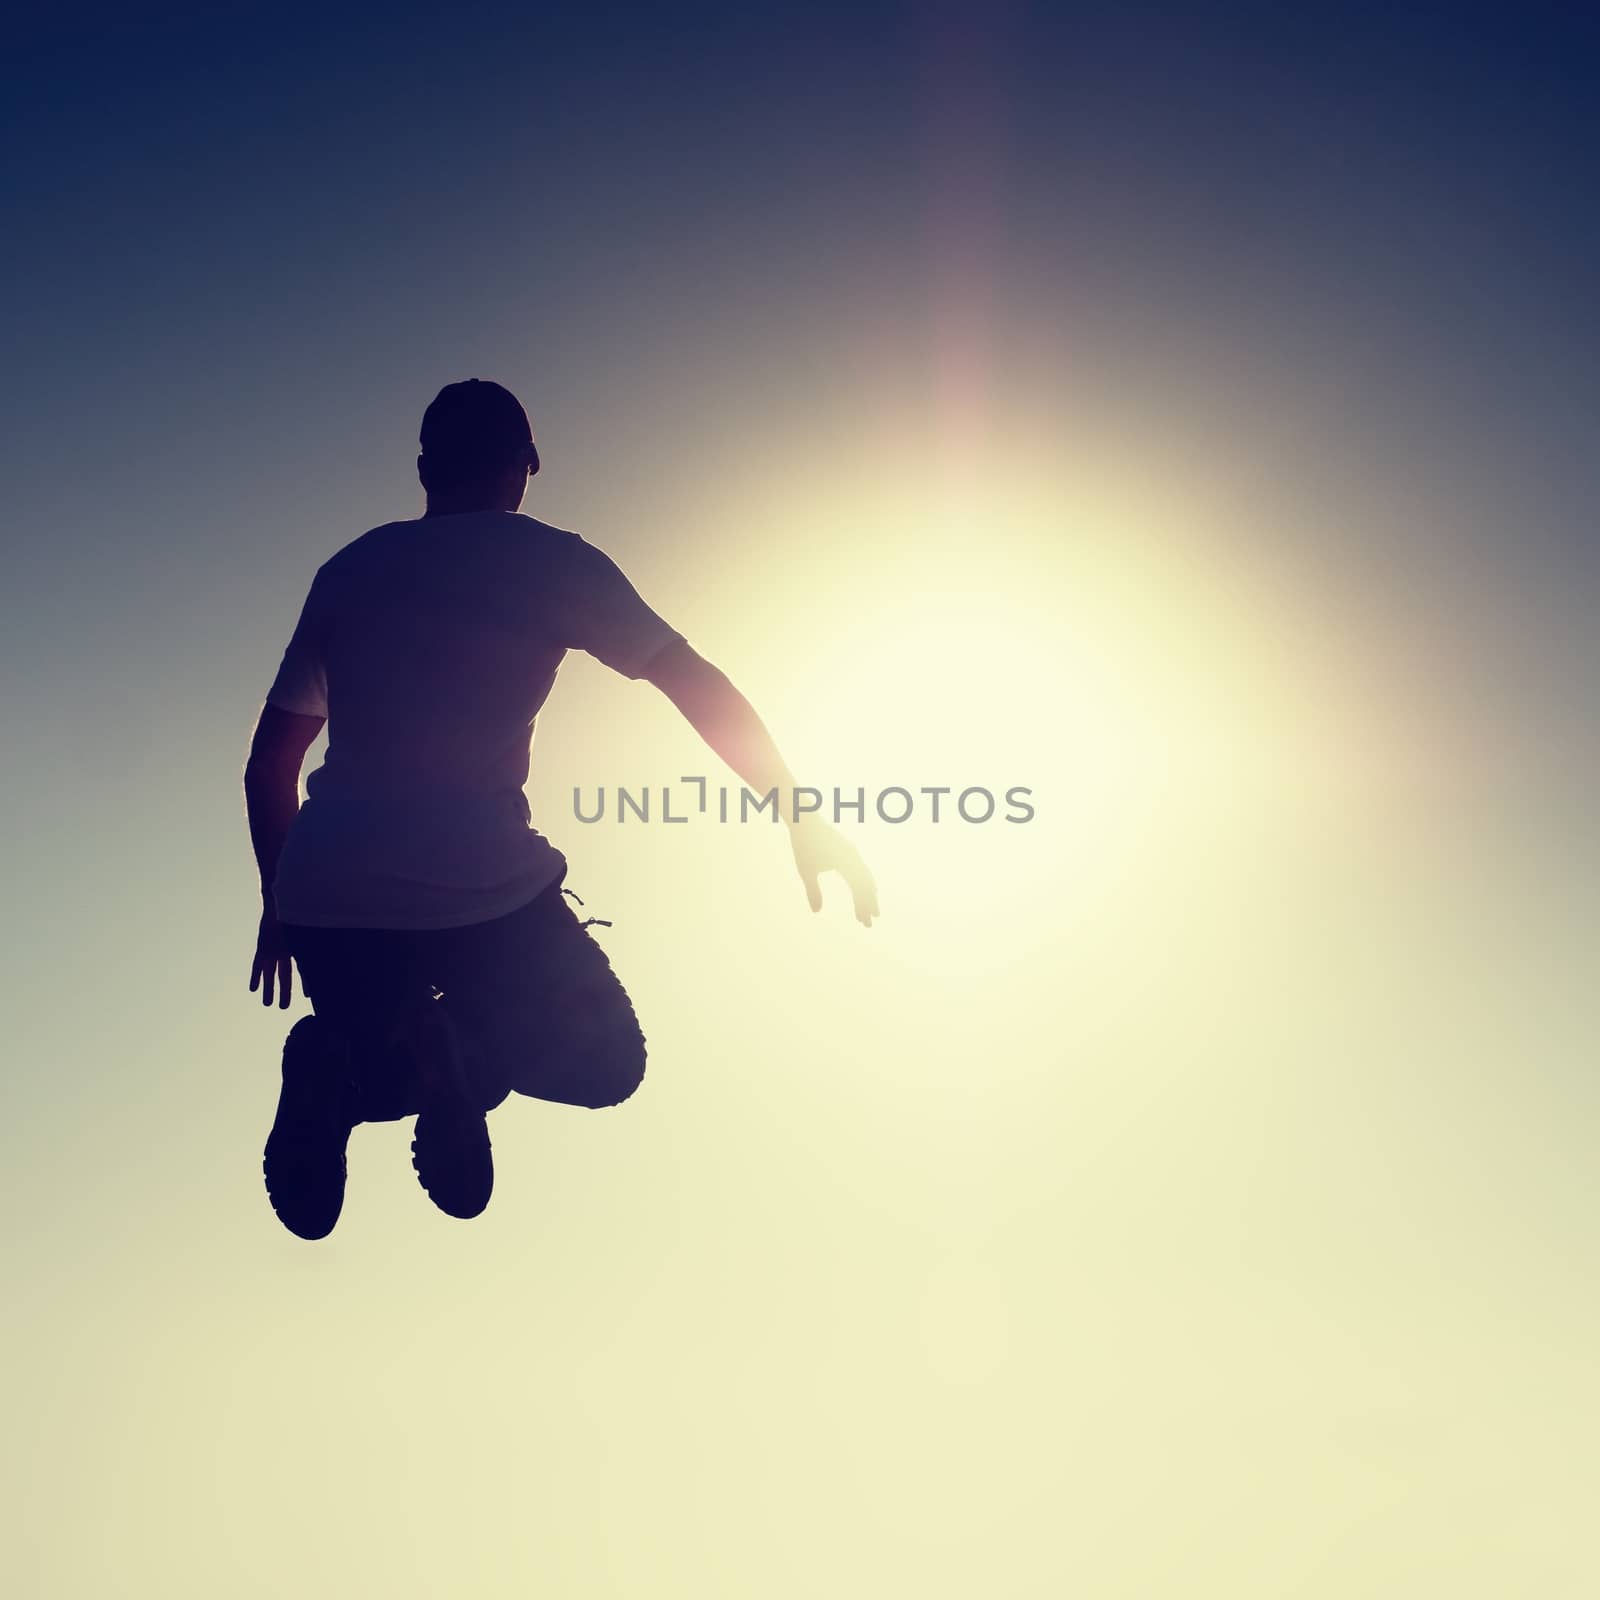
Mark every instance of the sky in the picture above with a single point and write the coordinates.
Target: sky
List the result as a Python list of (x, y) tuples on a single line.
[(1182, 413)]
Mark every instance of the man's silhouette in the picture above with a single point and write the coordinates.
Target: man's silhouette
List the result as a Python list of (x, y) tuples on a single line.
[(443, 962)]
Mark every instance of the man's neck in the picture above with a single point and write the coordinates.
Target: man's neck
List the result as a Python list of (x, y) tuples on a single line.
[(445, 506)]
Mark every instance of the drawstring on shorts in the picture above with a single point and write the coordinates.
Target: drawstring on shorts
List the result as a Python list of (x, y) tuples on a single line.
[(591, 922)]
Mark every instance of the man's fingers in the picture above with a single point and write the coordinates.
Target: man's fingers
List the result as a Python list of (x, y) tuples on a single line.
[(865, 894), (866, 904), (829, 851), (285, 981)]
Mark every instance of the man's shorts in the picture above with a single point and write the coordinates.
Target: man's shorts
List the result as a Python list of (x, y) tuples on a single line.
[(533, 997)]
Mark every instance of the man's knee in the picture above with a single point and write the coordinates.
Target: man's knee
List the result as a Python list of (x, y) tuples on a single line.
[(599, 1064), (607, 1076), (584, 1048)]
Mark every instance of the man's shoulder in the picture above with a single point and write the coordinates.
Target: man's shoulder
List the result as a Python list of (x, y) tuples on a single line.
[(364, 545), (562, 551), (547, 534)]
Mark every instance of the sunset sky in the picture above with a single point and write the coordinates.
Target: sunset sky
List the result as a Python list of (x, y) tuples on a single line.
[(1185, 413)]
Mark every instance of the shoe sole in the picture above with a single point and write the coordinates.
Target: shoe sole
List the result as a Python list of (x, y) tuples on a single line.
[(306, 1202), (450, 1117)]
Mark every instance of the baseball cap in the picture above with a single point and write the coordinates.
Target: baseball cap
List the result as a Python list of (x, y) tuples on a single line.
[(474, 426)]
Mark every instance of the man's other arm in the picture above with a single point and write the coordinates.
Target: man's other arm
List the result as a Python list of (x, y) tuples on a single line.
[(728, 723), (272, 800)]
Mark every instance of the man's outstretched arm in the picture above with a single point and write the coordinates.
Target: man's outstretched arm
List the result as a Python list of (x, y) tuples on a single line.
[(272, 801), (728, 723)]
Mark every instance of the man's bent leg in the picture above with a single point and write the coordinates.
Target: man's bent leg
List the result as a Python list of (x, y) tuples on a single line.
[(538, 995), (304, 1160), (451, 1150), (360, 981)]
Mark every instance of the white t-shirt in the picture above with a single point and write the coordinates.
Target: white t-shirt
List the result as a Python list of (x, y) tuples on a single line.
[(430, 646)]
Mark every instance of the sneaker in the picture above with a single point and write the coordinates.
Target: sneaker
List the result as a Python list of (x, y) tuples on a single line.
[(304, 1162), (450, 1150)]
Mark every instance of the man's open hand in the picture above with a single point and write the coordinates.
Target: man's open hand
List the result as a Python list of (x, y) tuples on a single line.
[(819, 847), (273, 964)]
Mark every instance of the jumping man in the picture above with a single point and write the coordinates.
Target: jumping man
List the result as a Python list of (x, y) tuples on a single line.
[(443, 961)]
